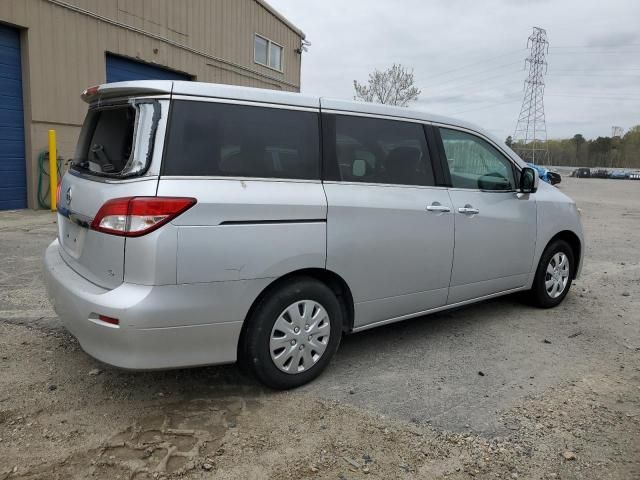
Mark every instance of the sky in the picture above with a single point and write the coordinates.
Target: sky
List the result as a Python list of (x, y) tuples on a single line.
[(468, 57)]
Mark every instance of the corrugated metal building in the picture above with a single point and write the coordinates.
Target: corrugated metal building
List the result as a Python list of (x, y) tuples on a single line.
[(51, 50)]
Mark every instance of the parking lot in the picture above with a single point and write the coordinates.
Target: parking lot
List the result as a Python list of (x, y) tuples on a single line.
[(496, 390)]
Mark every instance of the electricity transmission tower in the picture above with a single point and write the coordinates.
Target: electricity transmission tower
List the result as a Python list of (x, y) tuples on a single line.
[(530, 137)]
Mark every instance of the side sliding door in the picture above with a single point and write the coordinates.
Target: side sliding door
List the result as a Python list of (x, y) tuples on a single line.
[(389, 226)]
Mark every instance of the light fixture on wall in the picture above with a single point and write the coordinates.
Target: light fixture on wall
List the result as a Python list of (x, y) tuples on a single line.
[(304, 47)]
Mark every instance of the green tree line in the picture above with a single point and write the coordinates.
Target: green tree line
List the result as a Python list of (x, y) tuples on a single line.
[(605, 152)]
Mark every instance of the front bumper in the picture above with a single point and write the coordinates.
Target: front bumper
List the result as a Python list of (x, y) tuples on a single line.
[(160, 327)]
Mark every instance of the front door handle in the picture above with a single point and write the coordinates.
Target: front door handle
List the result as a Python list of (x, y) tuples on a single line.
[(468, 210), (438, 208)]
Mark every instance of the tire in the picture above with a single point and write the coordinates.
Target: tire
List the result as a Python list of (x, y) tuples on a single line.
[(546, 285), (270, 352)]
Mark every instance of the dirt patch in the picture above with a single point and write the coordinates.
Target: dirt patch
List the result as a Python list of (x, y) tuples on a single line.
[(197, 424)]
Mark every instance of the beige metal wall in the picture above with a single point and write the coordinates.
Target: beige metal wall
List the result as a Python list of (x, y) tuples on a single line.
[(64, 43)]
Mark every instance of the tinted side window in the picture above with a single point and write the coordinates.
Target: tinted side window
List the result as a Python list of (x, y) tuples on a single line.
[(215, 139), (474, 163), (372, 150)]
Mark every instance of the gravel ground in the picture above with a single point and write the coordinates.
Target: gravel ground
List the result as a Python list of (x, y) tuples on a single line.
[(496, 390)]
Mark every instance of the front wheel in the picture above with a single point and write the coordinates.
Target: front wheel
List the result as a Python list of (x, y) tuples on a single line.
[(554, 275), (293, 333)]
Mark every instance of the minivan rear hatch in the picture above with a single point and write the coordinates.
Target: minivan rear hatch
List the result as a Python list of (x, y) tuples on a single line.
[(113, 159)]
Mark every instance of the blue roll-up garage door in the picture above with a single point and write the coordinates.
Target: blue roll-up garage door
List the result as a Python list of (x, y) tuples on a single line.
[(13, 177), (121, 69)]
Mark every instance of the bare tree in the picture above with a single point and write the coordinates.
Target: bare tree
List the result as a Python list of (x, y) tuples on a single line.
[(395, 86)]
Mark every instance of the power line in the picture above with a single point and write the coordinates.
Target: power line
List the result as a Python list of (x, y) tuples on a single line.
[(459, 82), (463, 76), (475, 63), (495, 104), (476, 80), (593, 75), (612, 97), (520, 50), (594, 46), (466, 75), (603, 52), (438, 91), (475, 92), (630, 69)]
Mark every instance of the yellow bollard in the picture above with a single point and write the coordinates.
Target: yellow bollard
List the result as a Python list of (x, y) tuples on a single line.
[(53, 169)]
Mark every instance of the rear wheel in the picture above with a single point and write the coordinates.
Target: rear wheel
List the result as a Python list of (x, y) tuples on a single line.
[(554, 275), (293, 333)]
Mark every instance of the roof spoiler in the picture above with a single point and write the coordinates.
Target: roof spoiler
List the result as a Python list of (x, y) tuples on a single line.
[(126, 89)]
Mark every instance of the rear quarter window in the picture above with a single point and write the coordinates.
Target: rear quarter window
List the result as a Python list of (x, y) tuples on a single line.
[(107, 142), (216, 139), (117, 141)]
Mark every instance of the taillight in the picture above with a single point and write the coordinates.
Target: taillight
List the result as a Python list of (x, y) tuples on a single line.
[(137, 216), (58, 194)]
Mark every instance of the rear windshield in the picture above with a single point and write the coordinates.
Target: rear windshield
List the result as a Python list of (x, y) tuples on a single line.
[(116, 141), (214, 139)]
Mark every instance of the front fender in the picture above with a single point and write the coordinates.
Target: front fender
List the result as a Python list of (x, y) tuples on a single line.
[(556, 213)]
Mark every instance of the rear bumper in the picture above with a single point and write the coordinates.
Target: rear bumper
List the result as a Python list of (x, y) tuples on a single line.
[(160, 327)]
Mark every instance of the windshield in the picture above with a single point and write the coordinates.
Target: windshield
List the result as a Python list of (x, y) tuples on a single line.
[(117, 141)]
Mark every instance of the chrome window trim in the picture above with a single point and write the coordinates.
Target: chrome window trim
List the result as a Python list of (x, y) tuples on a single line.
[(459, 189), (248, 103), (238, 179), (385, 185), (375, 116), (290, 180)]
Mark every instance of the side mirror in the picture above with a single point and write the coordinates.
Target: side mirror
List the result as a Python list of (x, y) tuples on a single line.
[(528, 180)]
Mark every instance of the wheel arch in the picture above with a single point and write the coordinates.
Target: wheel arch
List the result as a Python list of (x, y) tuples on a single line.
[(334, 281), (574, 242)]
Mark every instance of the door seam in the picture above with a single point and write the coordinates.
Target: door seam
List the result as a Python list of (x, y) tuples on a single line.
[(453, 253)]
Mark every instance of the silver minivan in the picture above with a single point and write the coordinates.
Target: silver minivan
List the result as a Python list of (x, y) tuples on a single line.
[(202, 224)]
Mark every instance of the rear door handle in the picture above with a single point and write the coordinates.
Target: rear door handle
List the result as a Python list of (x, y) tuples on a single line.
[(468, 210), (437, 207)]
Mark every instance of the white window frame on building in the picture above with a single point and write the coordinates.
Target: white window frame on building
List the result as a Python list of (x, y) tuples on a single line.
[(270, 44)]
